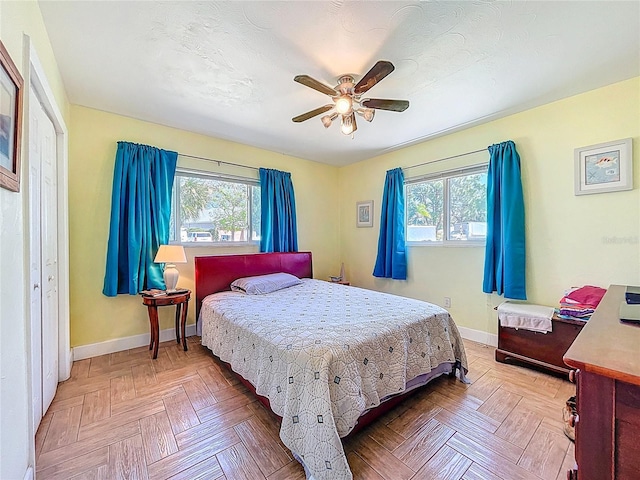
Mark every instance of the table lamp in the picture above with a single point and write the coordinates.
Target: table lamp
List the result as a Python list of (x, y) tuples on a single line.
[(170, 255)]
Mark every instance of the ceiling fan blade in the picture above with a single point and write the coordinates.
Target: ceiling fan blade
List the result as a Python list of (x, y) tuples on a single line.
[(312, 113), (307, 81), (381, 104), (380, 70)]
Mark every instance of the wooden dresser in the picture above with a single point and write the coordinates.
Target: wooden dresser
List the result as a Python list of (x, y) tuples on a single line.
[(606, 355)]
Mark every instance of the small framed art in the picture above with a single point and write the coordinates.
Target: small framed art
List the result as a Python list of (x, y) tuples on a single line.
[(10, 122), (364, 214), (605, 167)]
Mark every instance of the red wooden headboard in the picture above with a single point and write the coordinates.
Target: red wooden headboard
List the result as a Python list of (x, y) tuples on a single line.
[(215, 273)]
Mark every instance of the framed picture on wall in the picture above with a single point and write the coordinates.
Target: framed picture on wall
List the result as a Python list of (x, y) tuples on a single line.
[(605, 167), (10, 122), (364, 214)]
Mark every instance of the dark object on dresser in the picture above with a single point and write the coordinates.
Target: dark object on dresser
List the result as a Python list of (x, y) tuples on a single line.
[(607, 423), (544, 350)]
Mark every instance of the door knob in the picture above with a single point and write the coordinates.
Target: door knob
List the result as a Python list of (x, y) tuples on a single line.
[(36, 286), (51, 277)]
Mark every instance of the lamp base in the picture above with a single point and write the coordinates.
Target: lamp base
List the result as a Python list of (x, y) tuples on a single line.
[(171, 276)]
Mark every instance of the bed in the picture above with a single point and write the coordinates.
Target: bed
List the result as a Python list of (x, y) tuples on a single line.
[(324, 357)]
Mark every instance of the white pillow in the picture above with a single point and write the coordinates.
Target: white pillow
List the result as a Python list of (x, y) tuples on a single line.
[(262, 284)]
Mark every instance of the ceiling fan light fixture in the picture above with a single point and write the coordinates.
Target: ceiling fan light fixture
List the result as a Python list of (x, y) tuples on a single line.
[(347, 126), (328, 119), (368, 114), (344, 104)]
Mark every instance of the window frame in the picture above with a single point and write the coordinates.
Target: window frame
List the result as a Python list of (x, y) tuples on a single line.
[(205, 175), (445, 176)]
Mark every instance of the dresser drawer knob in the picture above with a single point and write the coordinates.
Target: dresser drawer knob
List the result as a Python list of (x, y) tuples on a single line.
[(573, 419), (573, 374)]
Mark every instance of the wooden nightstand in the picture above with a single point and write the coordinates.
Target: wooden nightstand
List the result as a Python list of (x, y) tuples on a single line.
[(181, 301)]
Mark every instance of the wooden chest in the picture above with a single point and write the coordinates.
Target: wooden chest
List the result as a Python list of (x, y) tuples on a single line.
[(544, 350)]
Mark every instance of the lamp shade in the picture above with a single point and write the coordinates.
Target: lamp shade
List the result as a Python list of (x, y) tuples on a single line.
[(171, 254)]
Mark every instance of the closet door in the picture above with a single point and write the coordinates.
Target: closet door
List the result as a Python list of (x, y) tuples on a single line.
[(43, 252)]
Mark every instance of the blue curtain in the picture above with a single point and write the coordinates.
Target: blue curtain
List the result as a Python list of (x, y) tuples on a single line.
[(504, 262), (392, 255), (140, 215), (278, 231)]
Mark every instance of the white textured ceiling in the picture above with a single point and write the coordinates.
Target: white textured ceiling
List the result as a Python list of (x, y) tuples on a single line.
[(226, 69)]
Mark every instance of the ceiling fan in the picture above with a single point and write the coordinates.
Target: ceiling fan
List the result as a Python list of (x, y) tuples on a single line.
[(347, 98)]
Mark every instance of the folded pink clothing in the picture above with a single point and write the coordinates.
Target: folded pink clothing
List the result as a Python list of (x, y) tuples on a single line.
[(587, 295), (576, 306)]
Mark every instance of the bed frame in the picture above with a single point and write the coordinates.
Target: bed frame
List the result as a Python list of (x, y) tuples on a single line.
[(215, 273)]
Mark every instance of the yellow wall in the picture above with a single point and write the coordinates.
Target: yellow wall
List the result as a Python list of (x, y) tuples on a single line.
[(16, 429), (96, 318), (571, 240)]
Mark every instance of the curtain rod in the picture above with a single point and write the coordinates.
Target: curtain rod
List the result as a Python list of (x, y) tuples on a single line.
[(217, 161), (445, 158)]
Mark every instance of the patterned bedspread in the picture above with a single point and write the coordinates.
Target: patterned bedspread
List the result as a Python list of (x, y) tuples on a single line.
[(324, 353)]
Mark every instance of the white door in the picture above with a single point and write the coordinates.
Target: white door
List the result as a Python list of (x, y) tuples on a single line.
[(44, 247), (35, 268), (49, 237)]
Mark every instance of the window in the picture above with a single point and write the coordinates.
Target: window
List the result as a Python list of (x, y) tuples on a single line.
[(448, 207), (209, 208)]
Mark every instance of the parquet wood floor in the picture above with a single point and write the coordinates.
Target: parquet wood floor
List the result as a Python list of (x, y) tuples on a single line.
[(184, 416)]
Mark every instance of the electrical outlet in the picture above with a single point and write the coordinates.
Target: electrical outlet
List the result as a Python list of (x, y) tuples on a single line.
[(447, 302)]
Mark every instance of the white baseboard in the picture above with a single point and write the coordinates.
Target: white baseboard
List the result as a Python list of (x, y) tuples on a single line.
[(479, 336), (120, 344), (29, 473)]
